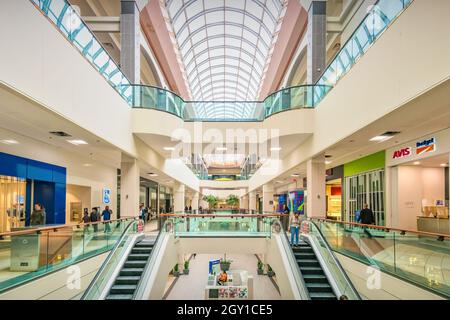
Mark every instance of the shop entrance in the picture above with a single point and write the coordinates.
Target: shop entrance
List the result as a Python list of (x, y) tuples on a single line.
[(420, 195), (12, 203), (334, 199)]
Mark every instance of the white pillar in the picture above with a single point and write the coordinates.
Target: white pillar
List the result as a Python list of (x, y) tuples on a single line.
[(268, 191), (129, 188), (178, 197), (195, 201), (252, 200), (244, 202), (315, 182)]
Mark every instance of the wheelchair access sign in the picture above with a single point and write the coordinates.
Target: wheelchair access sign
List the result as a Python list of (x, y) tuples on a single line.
[(106, 196)]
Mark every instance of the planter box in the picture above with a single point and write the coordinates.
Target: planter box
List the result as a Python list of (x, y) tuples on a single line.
[(176, 273), (270, 273), (186, 271), (260, 271), (225, 266)]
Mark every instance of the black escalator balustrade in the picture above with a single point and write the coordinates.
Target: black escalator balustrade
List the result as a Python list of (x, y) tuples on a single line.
[(315, 279), (128, 279)]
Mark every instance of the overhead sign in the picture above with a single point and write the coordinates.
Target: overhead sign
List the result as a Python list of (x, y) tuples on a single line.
[(106, 196), (405, 152), (214, 266), (428, 145)]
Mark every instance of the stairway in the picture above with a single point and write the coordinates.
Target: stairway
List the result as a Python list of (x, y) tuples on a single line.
[(316, 282), (126, 283)]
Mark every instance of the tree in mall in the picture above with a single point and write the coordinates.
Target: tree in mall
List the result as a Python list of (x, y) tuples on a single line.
[(233, 200), (212, 200)]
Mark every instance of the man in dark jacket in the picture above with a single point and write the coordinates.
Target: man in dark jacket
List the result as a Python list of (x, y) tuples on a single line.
[(366, 216), (95, 218)]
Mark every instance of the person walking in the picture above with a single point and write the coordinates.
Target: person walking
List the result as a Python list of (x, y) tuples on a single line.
[(37, 217), (85, 219), (366, 216), (106, 214), (142, 212), (94, 218), (285, 218), (294, 226)]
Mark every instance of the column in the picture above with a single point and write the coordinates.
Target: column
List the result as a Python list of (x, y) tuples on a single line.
[(244, 202), (130, 34), (195, 199), (178, 197), (268, 191), (252, 201), (129, 187), (316, 33), (315, 181)]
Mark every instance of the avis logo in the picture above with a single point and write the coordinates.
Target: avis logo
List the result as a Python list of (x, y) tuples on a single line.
[(428, 145), (405, 152)]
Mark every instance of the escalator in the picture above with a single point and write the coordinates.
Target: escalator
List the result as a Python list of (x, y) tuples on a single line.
[(316, 282), (125, 285)]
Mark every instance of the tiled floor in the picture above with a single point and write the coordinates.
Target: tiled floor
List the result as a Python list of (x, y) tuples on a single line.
[(192, 286)]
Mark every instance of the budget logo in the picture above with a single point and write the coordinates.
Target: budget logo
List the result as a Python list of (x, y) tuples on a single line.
[(424, 146)]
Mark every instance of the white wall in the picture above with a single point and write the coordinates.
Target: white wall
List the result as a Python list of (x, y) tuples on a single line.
[(76, 193), (415, 185)]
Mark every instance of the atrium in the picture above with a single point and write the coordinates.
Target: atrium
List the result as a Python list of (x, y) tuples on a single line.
[(224, 150)]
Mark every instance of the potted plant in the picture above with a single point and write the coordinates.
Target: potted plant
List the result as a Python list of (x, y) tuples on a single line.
[(211, 200), (260, 268), (186, 267), (270, 272), (232, 201), (175, 271), (225, 264)]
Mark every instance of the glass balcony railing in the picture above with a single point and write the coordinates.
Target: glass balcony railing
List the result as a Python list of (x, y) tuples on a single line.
[(70, 24), (34, 252), (378, 19), (416, 257), (221, 224)]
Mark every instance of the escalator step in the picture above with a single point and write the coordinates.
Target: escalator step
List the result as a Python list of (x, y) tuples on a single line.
[(305, 255), (303, 250), (119, 297), (308, 262), (315, 278), (143, 245), (131, 271), (136, 250), (135, 263), (136, 256), (319, 287), (127, 280), (322, 296), (311, 270), (122, 289)]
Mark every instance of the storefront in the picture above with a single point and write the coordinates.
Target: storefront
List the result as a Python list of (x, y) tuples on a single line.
[(364, 183), (25, 182), (419, 183), (334, 180)]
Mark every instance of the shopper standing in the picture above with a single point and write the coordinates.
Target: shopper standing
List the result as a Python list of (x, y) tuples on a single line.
[(37, 217), (106, 214), (366, 216), (94, 218), (285, 218), (294, 226)]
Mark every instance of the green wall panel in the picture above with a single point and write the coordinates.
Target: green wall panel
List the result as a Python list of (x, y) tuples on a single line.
[(368, 163)]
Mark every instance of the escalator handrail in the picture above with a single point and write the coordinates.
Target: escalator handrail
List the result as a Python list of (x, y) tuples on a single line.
[(107, 260), (152, 254), (335, 260)]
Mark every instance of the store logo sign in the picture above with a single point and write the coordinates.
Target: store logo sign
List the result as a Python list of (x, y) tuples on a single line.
[(425, 146), (106, 196), (405, 152)]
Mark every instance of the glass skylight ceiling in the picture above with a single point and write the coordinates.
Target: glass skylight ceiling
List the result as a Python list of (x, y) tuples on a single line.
[(225, 47)]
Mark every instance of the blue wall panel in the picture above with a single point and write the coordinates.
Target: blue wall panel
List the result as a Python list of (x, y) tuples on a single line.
[(44, 193), (59, 174), (60, 203), (39, 171), (13, 166)]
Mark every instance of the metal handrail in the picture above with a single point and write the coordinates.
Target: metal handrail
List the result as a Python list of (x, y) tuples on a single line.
[(55, 228), (107, 260), (336, 261), (387, 229)]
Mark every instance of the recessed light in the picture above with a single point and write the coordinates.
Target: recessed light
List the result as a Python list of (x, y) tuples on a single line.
[(327, 162), (77, 142), (9, 141), (169, 148), (295, 175), (151, 174), (87, 165), (221, 148), (380, 138), (416, 163), (443, 164), (275, 149)]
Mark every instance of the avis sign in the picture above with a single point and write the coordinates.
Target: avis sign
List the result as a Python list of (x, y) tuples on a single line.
[(405, 152)]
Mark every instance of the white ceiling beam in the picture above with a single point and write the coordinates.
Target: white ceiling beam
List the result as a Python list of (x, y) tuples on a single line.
[(103, 24)]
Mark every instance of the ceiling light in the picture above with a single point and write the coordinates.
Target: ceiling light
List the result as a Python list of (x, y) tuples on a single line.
[(169, 148), (77, 142), (275, 149), (87, 165), (9, 141), (279, 181), (295, 175), (221, 148), (384, 136), (327, 162), (416, 163), (151, 174), (443, 164)]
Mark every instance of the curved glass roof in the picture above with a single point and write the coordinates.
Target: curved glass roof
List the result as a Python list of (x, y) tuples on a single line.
[(224, 47)]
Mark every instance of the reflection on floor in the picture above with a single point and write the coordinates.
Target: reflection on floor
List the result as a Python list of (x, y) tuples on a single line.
[(192, 286)]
